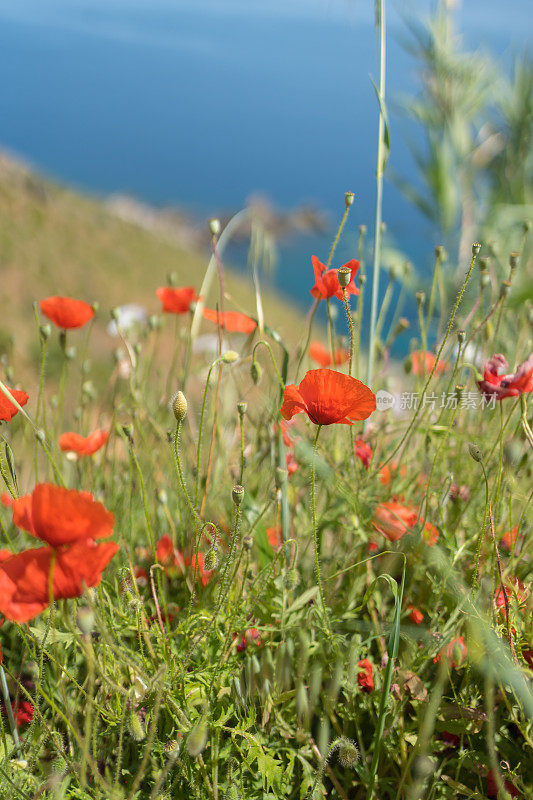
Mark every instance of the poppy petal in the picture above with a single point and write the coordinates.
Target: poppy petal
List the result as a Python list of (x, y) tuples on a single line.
[(293, 402), (61, 516), (83, 445), (7, 409), (65, 312)]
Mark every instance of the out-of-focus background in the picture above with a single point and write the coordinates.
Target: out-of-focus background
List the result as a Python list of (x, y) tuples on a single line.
[(197, 106)]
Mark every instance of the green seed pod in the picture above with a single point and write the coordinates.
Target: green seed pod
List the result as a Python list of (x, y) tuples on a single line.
[(237, 494), (514, 260), (40, 435), (242, 408), (197, 738), (45, 331), (344, 275), (476, 247), (349, 197)]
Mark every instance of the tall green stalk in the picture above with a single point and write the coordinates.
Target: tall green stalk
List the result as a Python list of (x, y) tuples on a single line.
[(380, 4)]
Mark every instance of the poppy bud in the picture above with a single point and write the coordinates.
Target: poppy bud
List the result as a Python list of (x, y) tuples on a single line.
[(242, 408), (45, 332), (135, 726), (291, 579), (420, 298), (348, 753), (408, 365), (70, 353), (40, 435), (214, 226), (197, 739), (362, 279), (362, 230), (459, 389), (461, 336), (344, 275), (127, 430), (403, 325), (348, 199), (230, 357), (179, 406), (475, 452), (484, 279), (153, 322), (440, 252), (514, 260), (256, 372), (85, 620), (161, 497), (172, 279), (383, 227), (237, 494), (476, 247), (211, 559)]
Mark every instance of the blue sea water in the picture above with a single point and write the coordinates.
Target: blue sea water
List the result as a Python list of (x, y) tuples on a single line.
[(201, 103)]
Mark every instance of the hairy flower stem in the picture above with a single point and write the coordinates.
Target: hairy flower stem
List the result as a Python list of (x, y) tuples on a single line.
[(200, 429), (379, 191), (480, 535), (315, 538)]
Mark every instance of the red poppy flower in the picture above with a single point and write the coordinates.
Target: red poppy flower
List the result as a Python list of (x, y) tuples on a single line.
[(517, 591), (509, 538), (501, 386), (455, 652), (275, 538), (251, 635), (66, 312), (423, 363), (167, 555), (328, 398), (394, 520), (363, 452), (176, 300), (492, 786), (415, 615), (365, 677), (83, 445), (291, 464), (204, 574), (24, 578), (232, 321), (23, 713), (327, 281), (7, 409), (61, 516), (322, 356)]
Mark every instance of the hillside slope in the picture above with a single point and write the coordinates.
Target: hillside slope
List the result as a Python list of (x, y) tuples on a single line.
[(56, 241)]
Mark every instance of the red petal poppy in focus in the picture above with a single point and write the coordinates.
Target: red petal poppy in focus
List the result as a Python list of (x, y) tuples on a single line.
[(327, 280), (328, 398), (7, 409), (176, 300), (83, 445), (60, 516), (232, 321), (65, 312), (24, 578)]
